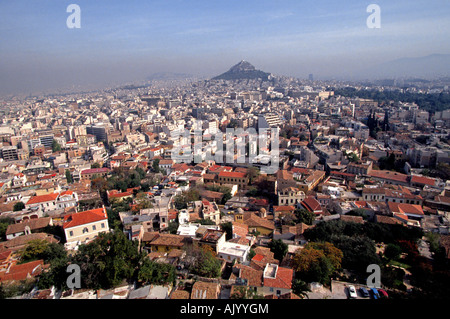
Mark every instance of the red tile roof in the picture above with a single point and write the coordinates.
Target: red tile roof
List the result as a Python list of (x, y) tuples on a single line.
[(95, 170), (394, 176), (86, 217), (232, 174), (284, 208), (119, 195), (258, 257), (406, 208), (312, 205), (283, 279), (422, 180), (43, 198), (22, 271)]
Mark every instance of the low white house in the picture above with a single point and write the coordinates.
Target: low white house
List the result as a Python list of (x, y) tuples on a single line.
[(231, 251), (183, 217)]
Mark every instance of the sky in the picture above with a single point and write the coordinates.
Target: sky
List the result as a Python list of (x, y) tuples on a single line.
[(126, 41)]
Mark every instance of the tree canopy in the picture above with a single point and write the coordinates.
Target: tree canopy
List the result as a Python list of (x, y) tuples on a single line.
[(316, 262), (279, 248)]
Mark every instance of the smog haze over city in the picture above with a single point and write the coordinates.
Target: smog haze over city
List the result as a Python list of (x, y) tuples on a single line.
[(128, 41)]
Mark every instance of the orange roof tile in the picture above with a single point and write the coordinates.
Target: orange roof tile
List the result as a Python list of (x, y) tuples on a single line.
[(232, 174), (86, 217), (422, 180), (283, 279), (43, 198)]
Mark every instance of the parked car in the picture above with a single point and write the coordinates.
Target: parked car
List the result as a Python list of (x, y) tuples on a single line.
[(375, 294), (383, 293), (352, 291), (364, 292)]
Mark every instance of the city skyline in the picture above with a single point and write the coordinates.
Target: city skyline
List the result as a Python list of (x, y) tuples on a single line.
[(120, 42)]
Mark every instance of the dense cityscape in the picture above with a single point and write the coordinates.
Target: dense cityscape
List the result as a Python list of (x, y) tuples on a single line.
[(98, 180)]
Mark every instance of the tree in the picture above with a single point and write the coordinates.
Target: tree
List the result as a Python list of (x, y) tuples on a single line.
[(288, 218), (279, 248), (151, 272), (108, 260), (393, 277), (18, 206), (95, 165), (143, 201), (34, 250), (392, 251), (226, 197), (99, 184), (173, 227), (69, 177), (358, 212), (205, 264), (433, 240), (251, 254), (181, 201), (252, 174), (228, 229), (252, 192), (4, 222), (304, 216), (155, 165), (56, 275), (311, 265), (55, 146), (359, 251), (317, 262), (352, 157), (300, 288), (334, 254)]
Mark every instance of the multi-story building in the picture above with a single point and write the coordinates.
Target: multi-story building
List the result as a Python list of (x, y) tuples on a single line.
[(359, 168), (233, 178), (53, 201), (83, 227), (290, 196), (99, 131), (89, 173), (210, 211), (9, 153), (269, 120)]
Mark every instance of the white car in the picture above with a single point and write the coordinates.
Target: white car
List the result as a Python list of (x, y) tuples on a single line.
[(352, 291)]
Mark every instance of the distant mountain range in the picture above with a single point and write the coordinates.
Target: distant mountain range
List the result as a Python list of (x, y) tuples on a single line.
[(243, 70), (430, 66)]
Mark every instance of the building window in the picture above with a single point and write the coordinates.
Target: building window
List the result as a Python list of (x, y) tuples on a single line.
[(70, 233), (85, 230), (94, 227), (103, 225)]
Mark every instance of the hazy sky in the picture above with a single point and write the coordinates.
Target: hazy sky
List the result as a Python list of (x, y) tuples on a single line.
[(123, 41)]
